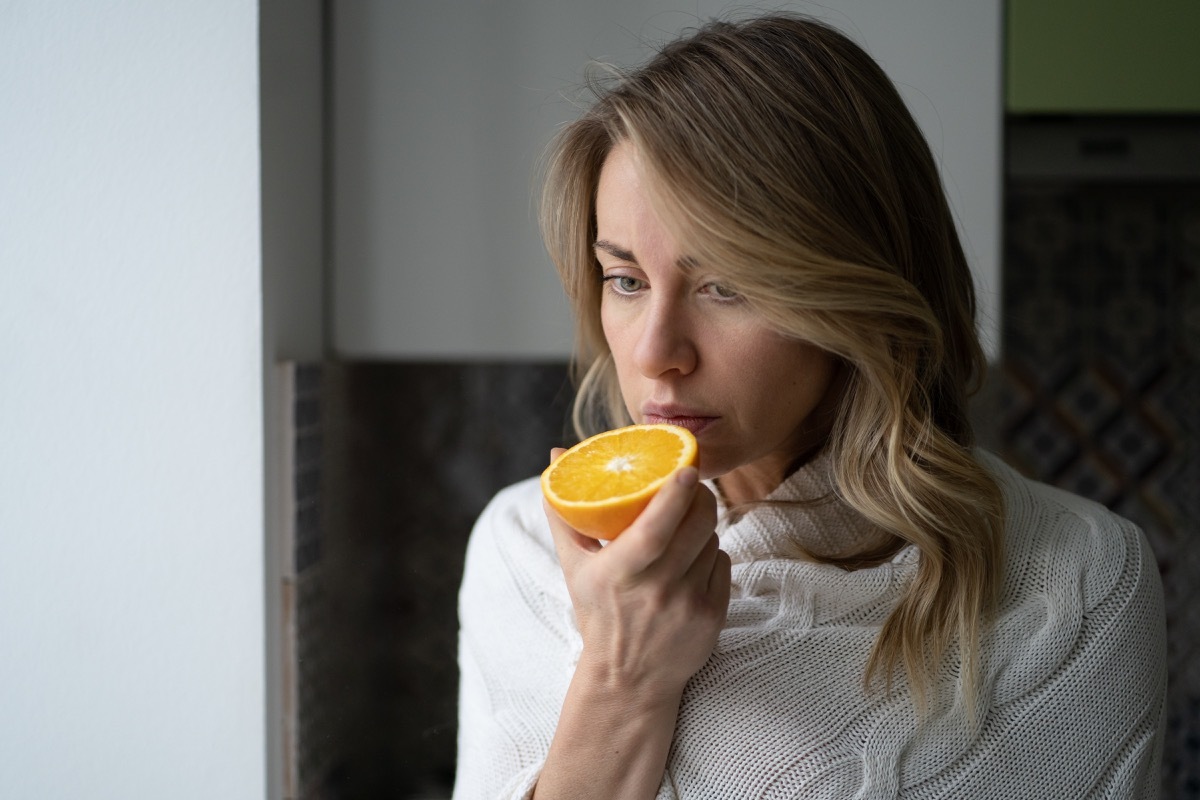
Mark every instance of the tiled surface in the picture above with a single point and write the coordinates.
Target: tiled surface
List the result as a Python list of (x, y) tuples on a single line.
[(413, 453), (311, 715), (307, 454), (1100, 386)]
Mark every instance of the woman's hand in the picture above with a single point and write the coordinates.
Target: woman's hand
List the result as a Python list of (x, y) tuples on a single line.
[(651, 603), (650, 606)]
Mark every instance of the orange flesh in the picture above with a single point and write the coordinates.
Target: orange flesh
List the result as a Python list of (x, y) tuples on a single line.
[(601, 485), (610, 467)]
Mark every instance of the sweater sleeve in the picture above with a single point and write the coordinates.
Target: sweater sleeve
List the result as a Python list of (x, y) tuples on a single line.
[(517, 649), (1074, 675), (1106, 701), (1131, 674), (1080, 705)]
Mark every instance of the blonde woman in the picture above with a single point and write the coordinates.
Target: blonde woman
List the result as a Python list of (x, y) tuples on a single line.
[(850, 599)]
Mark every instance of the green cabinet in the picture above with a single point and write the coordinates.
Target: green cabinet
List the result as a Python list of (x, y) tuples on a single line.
[(1102, 57)]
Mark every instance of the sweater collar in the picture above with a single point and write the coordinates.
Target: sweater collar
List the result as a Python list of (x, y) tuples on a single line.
[(804, 513)]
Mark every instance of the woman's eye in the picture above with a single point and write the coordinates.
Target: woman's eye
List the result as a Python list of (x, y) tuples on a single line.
[(721, 291), (623, 284)]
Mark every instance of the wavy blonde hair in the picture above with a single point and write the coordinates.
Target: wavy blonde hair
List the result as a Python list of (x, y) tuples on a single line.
[(784, 157)]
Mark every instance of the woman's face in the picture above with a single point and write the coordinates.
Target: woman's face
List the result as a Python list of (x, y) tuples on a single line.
[(689, 352)]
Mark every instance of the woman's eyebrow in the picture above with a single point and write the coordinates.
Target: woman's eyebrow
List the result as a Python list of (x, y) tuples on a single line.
[(614, 251), (685, 263)]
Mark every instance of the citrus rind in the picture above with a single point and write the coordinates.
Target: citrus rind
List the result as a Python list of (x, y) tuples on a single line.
[(594, 467)]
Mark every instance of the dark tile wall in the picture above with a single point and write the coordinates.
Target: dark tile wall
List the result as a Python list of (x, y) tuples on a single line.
[(1099, 389), (413, 453), (310, 720)]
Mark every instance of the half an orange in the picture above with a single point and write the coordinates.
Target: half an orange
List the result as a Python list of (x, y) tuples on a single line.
[(600, 485)]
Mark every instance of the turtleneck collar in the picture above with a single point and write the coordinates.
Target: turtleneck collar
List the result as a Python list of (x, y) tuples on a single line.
[(803, 514)]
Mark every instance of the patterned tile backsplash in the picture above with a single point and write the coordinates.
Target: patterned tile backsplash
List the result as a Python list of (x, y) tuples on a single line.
[(1098, 392), (1100, 385), (410, 454)]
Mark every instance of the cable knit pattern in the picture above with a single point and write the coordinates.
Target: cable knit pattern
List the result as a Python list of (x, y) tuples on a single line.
[(1073, 685)]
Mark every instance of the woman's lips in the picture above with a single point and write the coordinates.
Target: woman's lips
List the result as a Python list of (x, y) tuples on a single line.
[(693, 424)]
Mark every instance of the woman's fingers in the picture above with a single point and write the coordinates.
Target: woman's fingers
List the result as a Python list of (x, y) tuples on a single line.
[(701, 566), (673, 538), (719, 587), (710, 574), (570, 544), (696, 534), (720, 580), (649, 537), (650, 603)]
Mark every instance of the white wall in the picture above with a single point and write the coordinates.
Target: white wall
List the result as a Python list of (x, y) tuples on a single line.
[(131, 475), (441, 109)]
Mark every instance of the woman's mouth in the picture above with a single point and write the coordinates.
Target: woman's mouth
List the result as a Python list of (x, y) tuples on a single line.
[(695, 424)]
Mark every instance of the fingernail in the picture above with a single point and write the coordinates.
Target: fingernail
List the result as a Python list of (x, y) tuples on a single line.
[(687, 476)]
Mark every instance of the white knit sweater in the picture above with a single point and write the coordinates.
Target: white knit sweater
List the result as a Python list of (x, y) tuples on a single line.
[(1074, 670)]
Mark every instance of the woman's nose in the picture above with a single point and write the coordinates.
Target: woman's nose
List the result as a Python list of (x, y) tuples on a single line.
[(665, 342)]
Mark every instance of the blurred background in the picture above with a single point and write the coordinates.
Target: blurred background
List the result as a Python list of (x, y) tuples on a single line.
[(276, 322)]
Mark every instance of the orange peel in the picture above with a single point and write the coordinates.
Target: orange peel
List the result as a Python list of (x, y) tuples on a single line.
[(601, 485)]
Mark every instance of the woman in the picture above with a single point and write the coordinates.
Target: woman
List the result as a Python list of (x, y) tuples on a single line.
[(855, 602)]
